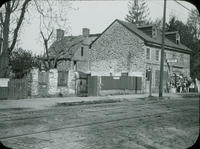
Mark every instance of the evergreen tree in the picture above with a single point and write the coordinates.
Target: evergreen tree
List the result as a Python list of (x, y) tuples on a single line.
[(138, 12)]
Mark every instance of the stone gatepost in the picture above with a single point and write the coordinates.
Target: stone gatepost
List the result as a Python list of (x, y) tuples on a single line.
[(53, 82), (71, 81), (34, 82)]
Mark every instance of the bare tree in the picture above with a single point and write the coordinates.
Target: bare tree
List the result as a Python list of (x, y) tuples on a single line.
[(10, 38), (54, 16)]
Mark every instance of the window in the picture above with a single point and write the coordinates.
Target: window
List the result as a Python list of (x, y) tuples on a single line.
[(157, 55), (173, 55), (148, 74), (62, 78), (124, 74), (82, 48), (43, 77), (75, 65), (181, 58), (148, 53)]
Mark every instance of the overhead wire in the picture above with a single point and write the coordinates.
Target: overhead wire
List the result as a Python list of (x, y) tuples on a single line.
[(186, 8)]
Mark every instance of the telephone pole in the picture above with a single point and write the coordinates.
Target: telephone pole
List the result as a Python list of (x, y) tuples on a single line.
[(162, 52)]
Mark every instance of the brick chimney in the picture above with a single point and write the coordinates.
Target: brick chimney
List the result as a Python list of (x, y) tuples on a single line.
[(59, 34), (85, 32)]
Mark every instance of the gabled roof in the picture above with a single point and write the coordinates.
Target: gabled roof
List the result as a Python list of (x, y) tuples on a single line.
[(148, 39), (67, 47)]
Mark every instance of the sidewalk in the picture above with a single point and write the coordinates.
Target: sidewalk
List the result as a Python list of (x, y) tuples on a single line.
[(43, 103)]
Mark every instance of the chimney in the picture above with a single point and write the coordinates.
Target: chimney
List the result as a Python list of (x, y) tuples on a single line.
[(173, 36), (59, 34), (85, 32)]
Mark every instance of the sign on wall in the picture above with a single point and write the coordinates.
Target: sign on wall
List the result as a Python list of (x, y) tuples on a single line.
[(116, 78), (171, 60), (4, 82)]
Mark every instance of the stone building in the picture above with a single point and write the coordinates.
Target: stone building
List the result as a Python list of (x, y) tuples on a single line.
[(126, 48)]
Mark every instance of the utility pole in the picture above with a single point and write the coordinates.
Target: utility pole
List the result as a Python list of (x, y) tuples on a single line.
[(150, 83), (162, 52)]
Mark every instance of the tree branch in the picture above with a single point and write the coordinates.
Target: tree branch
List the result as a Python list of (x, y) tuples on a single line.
[(21, 18), (1, 19), (15, 4)]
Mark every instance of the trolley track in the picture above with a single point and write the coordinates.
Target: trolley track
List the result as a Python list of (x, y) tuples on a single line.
[(154, 117), (25, 114)]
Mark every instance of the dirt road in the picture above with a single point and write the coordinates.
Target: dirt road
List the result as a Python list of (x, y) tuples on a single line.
[(138, 124)]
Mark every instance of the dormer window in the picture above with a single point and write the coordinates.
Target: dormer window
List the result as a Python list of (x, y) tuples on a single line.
[(154, 32), (177, 38)]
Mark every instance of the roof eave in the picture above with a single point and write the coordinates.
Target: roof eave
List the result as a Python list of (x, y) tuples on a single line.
[(168, 47)]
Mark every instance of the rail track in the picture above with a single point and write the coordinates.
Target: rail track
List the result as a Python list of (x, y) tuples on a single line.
[(154, 117)]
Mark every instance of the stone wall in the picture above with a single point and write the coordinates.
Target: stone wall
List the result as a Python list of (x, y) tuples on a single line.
[(118, 50), (52, 85), (71, 82)]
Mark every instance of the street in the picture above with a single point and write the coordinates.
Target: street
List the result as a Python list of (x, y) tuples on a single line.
[(143, 123)]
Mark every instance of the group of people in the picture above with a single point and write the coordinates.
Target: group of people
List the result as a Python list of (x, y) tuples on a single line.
[(181, 84)]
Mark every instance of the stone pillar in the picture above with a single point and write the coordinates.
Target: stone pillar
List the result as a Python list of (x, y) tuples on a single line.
[(53, 82), (71, 81), (198, 84), (34, 82)]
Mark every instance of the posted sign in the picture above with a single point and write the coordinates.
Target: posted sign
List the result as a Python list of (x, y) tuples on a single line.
[(4, 82), (172, 60)]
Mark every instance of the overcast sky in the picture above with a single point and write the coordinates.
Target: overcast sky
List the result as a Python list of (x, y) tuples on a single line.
[(95, 15)]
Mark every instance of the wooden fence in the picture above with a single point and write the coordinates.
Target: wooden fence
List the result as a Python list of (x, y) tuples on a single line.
[(3, 93), (17, 89), (95, 84), (92, 86), (121, 83)]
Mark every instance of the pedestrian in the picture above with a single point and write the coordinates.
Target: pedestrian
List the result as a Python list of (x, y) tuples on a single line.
[(191, 88), (187, 85)]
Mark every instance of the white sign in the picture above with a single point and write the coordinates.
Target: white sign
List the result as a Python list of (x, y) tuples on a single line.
[(172, 60), (4, 82), (116, 78)]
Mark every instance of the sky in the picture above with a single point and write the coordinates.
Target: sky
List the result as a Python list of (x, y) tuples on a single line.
[(95, 15)]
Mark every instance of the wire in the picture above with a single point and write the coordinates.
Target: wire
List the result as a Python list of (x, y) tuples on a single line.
[(166, 7), (185, 7)]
